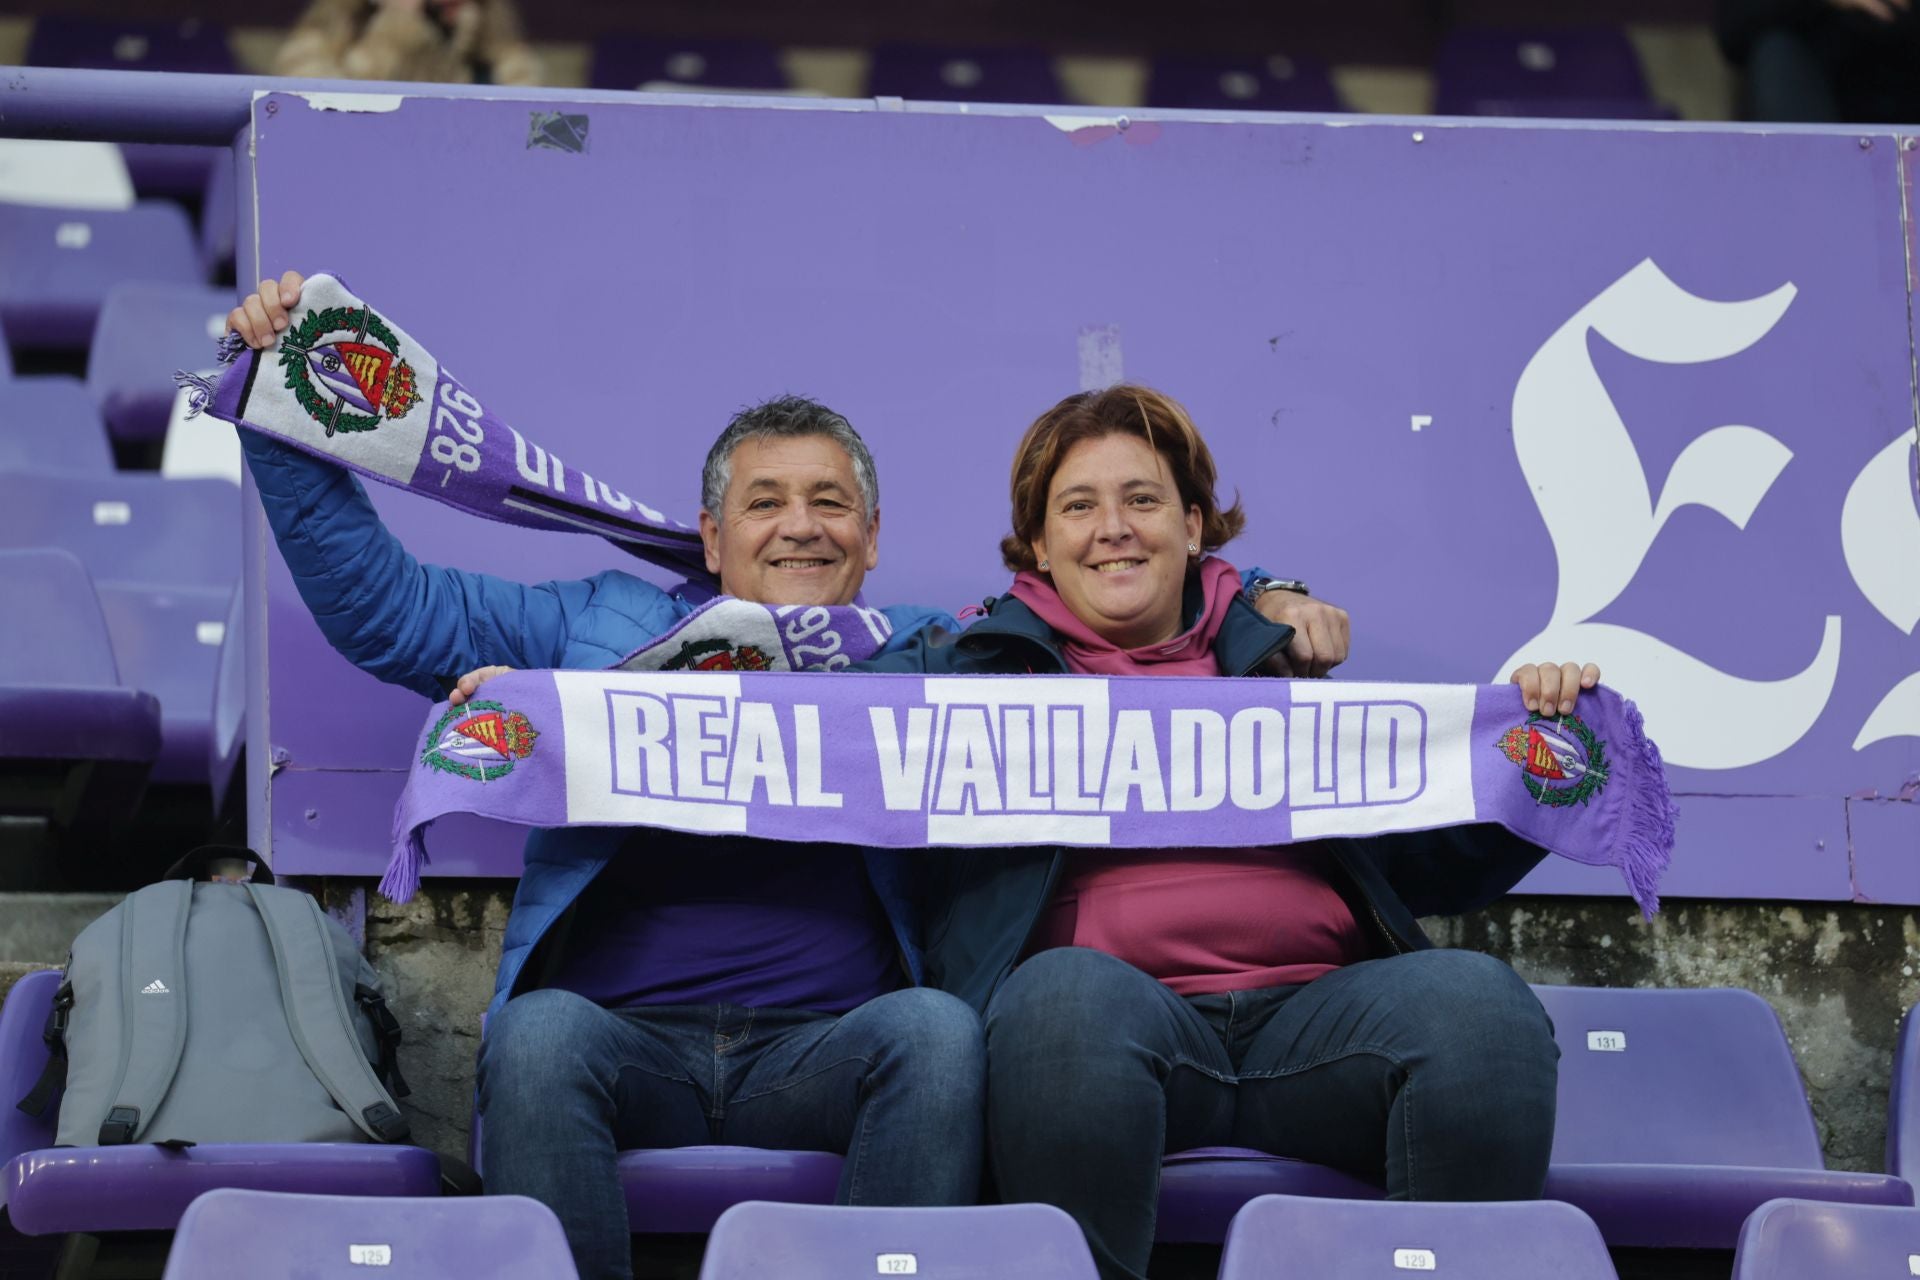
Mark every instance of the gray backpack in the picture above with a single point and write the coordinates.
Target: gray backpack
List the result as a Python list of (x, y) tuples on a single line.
[(220, 1012)]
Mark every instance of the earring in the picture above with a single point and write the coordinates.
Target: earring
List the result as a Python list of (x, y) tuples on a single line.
[(1193, 549), (1043, 566)]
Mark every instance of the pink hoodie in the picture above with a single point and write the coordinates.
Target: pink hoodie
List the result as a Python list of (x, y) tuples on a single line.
[(1199, 920)]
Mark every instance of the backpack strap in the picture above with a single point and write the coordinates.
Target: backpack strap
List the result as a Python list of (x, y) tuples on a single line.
[(386, 1032), (53, 1076), (153, 1006), (317, 1012)]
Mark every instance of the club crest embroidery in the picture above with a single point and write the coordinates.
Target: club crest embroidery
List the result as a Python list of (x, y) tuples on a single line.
[(343, 365), (717, 655), (481, 741), (1561, 762)]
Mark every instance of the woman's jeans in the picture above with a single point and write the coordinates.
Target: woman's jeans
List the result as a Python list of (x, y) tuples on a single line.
[(1435, 1070), (897, 1084)]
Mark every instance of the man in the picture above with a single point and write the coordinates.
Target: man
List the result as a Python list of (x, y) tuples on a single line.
[(690, 989)]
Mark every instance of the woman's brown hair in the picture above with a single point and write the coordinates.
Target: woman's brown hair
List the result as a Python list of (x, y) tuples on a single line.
[(1119, 410)]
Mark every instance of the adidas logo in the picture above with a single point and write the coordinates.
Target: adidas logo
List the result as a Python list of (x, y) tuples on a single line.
[(155, 988)]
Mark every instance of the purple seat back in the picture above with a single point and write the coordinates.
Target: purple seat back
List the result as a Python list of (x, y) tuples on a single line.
[(58, 265), (964, 75), (1701, 1077), (1201, 1189), (1381, 1240), (6, 357), (129, 526), (129, 45), (166, 641), (812, 1242), (172, 170), (23, 1018), (61, 697), (1798, 1239), (242, 1235), (1525, 66), (145, 333), (624, 62), (63, 638), (50, 424), (1278, 82)]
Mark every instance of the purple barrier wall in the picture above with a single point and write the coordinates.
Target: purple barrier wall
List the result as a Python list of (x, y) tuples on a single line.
[(1643, 397)]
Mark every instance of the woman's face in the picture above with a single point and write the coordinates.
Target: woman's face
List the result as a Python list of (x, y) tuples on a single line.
[(1115, 540)]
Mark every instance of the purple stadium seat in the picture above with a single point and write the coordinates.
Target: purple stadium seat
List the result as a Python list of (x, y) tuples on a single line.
[(219, 217), (49, 424), (812, 1242), (74, 741), (167, 642), (1274, 83), (57, 265), (627, 62), (6, 357), (1682, 1111), (146, 332), (50, 1190), (964, 75), (248, 1235), (128, 527), (1294, 1238), (686, 1189), (1201, 1189), (129, 45), (175, 171), (1799, 1239), (1526, 68), (228, 728)]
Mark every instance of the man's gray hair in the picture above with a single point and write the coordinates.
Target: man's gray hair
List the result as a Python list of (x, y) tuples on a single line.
[(783, 418)]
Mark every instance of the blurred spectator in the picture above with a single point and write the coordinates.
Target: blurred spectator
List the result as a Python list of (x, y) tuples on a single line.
[(1825, 60), (439, 41)]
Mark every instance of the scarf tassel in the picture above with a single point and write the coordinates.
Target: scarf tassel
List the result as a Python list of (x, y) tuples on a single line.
[(199, 389), (1647, 825), (402, 879)]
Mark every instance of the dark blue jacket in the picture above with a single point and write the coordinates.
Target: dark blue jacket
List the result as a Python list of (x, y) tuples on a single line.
[(982, 904), (422, 626)]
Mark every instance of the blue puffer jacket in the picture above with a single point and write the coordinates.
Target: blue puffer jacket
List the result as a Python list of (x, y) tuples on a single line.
[(423, 626)]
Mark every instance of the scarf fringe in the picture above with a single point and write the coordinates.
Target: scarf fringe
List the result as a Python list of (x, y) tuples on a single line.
[(199, 389), (402, 879), (1645, 847)]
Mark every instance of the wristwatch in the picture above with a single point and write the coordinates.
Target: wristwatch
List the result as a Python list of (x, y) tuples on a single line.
[(1260, 586)]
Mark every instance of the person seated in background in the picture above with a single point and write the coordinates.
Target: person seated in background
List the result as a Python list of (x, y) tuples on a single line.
[(1825, 61), (434, 41), (1286, 999), (660, 990)]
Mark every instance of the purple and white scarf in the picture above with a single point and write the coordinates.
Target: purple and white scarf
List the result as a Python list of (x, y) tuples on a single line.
[(911, 762), (712, 727), (345, 384)]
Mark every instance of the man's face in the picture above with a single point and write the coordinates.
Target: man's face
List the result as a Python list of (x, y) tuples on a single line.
[(791, 528)]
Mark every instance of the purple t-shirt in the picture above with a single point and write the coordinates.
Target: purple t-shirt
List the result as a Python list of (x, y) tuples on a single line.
[(677, 919)]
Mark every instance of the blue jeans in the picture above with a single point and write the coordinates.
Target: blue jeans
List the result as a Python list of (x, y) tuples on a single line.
[(1435, 1071), (897, 1084)]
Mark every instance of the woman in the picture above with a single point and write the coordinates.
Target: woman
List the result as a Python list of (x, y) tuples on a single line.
[(1283, 999)]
